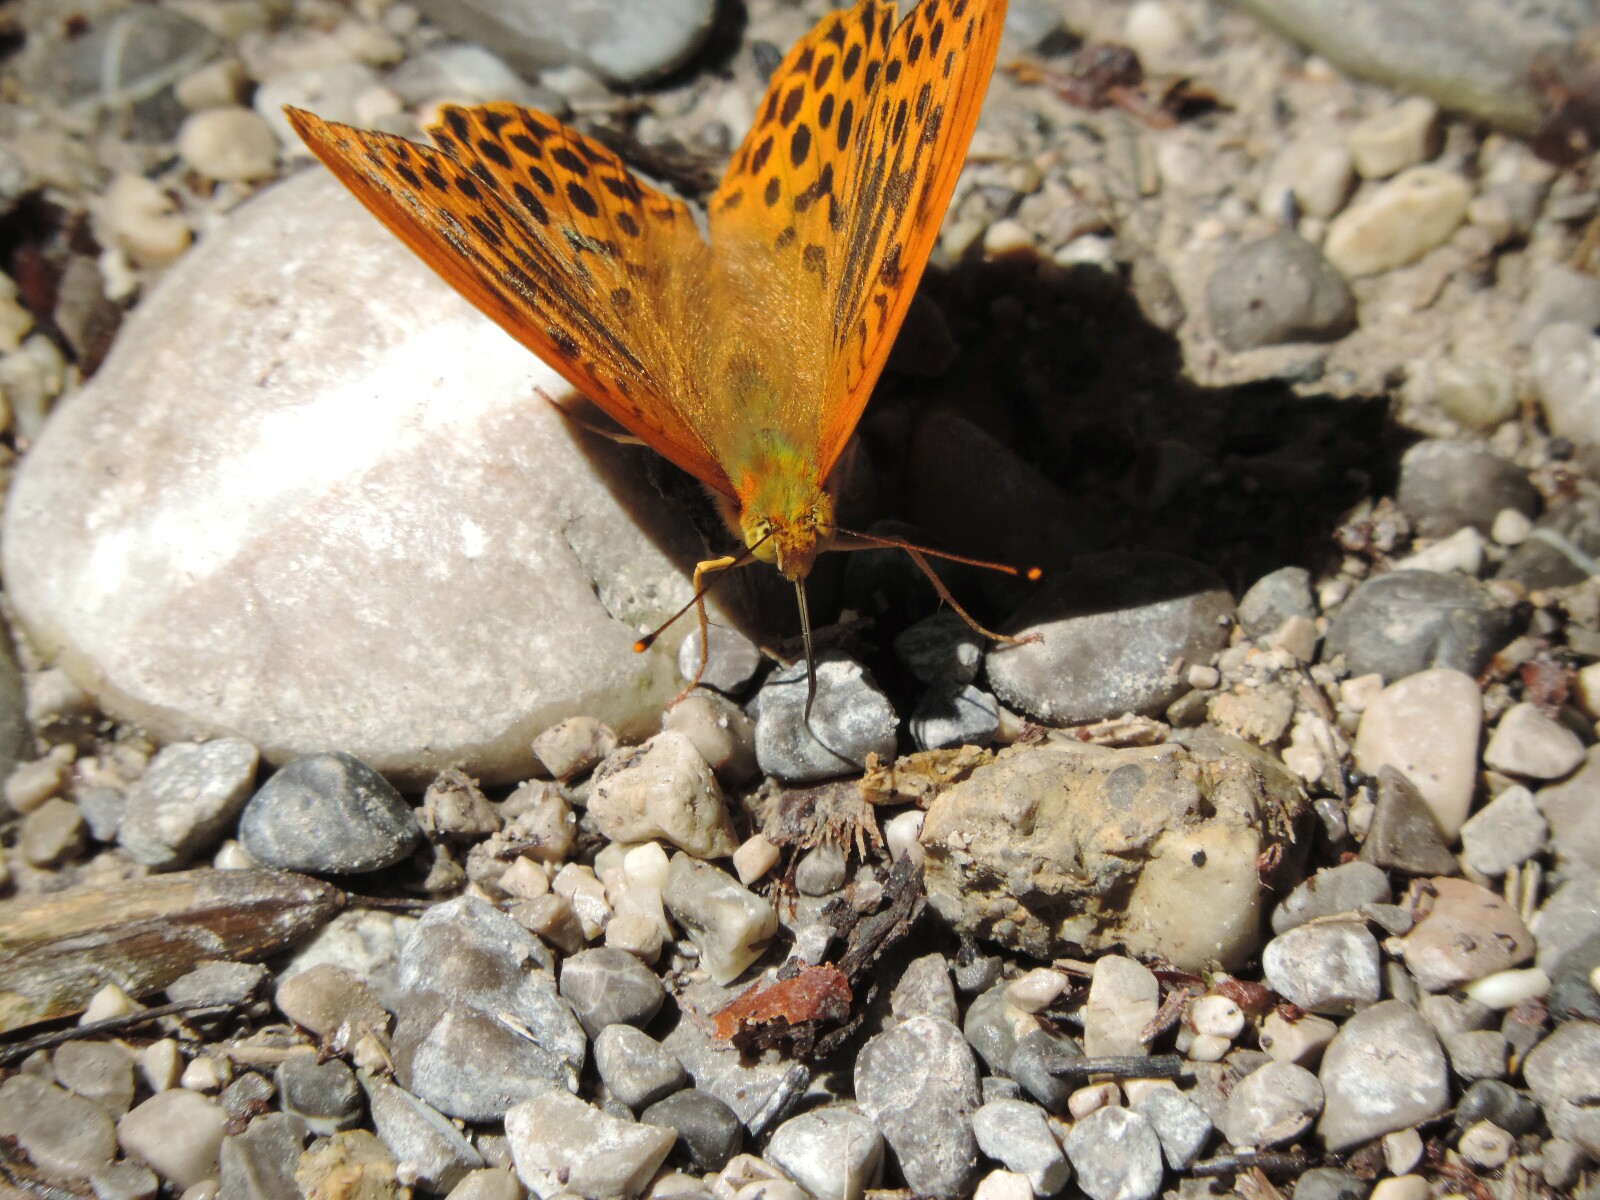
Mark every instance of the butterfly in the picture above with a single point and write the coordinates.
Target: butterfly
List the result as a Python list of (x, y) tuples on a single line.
[(745, 355)]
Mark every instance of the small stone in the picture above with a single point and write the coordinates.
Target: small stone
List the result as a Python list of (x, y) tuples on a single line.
[(217, 982), (1330, 1183), (326, 999), (850, 719), (1276, 290), (541, 822), (1332, 890), (140, 218), (427, 1146), (1314, 171), (98, 1071), (1398, 222), (259, 1162), (493, 1183), (662, 789), (1530, 744), (754, 858), (835, 1153), (918, 1083), (1563, 1073), (821, 871), (205, 1073), (1500, 1103), (1401, 136), (1402, 1187), (125, 1181), (62, 1134), (159, 1064), (731, 665), (1182, 1126), (1116, 1155), (723, 733), (187, 800), (1562, 545), (1272, 1106), (1036, 990), (1124, 996), (324, 1095), (1558, 294), (636, 1068), (730, 925), (1300, 1041), (178, 1134), (1426, 727), (1324, 968), (563, 1145), (1467, 933), (1478, 1054), (1003, 1185), (706, 1127), (52, 834), (610, 987), (110, 1001), (1136, 617), (30, 784), (1384, 1071), (1486, 1146), (455, 809), (1504, 833), (574, 747), (1031, 1060), (1481, 395), (940, 649), (328, 814), (1502, 990), (1572, 809), (1093, 1098), (950, 715), (232, 145), (1405, 622), (1448, 486), (1016, 1134), (1404, 834)]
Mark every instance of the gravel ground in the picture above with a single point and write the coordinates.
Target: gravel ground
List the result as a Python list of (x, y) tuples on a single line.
[(349, 850)]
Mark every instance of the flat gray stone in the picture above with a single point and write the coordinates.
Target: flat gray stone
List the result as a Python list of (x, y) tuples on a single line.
[(1383, 1071)]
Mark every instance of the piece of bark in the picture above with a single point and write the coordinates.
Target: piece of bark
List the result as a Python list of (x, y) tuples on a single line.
[(56, 951)]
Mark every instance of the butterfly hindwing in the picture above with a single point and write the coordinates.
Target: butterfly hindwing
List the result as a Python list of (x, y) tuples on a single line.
[(548, 234)]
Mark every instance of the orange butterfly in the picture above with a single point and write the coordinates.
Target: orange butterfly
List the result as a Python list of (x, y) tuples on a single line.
[(745, 359)]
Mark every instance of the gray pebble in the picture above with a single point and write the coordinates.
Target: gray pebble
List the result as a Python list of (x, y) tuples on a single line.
[(1116, 1154), (470, 1064), (187, 801), (328, 814), (218, 983), (732, 664), (918, 1083), (998, 1087), (1182, 1125), (469, 73), (1477, 1054), (565, 1147), (1498, 1102), (1445, 486), (1272, 1106), (606, 986), (974, 971), (924, 990), (1563, 1073), (128, 1180), (132, 56), (1572, 992), (954, 715), (62, 1134), (707, 1128), (98, 1071), (102, 809), (1564, 542), (1384, 1070), (1031, 1062), (249, 1094), (1507, 831), (1016, 1134), (1403, 622), (835, 1153), (1558, 293), (1341, 889), (991, 1028), (260, 1162), (636, 1068), (1324, 968), (820, 871), (1110, 631), (1331, 1183), (1404, 836), (940, 649), (325, 1095), (1275, 290), (850, 718), (426, 1143), (1273, 599), (1573, 816)]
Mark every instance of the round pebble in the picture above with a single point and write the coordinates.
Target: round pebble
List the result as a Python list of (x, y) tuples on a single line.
[(850, 718), (1275, 290), (1116, 1155), (1398, 222), (232, 145), (328, 814)]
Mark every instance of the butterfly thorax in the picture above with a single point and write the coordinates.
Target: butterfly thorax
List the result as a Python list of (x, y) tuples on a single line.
[(785, 513)]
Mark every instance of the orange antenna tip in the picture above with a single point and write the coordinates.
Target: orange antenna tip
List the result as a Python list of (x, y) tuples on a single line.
[(1034, 574), (643, 644)]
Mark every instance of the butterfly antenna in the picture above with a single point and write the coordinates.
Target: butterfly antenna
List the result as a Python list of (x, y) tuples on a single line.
[(721, 566), (805, 636), (920, 555)]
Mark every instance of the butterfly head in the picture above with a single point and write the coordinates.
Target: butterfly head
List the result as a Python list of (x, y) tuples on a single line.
[(789, 535)]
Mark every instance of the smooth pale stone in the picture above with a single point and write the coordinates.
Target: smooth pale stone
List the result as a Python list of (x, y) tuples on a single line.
[(313, 499), (1400, 136), (1124, 996), (1528, 743), (1398, 222), (1426, 726)]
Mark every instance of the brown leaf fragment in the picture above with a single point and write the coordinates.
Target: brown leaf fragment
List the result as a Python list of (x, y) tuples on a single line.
[(56, 951), (819, 993), (918, 778)]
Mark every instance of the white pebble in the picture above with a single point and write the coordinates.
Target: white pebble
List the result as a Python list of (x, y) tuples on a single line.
[(638, 934), (1506, 989), (1203, 678), (1510, 528), (1402, 1151), (645, 866), (755, 858), (1207, 1047), (1003, 1185), (1298, 636), (1216, 1015), (1092, 1099), (901, 834), (1036, 990), (1400, 136), (140, 218), (159, 1063), (1155, 33), (204, 1074), (30, 784), (1486, 1146), (233, 145), (110, 1001), (232, 856), (1399, 222), (1404, 1187), (1005, 237), (524, 879), (1355, 694)]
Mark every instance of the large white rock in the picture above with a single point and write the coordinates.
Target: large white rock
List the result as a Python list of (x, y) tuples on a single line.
[(314, 499)]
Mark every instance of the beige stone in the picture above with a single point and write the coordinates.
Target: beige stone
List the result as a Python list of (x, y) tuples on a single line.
[(1426, 726), (1398, 222)]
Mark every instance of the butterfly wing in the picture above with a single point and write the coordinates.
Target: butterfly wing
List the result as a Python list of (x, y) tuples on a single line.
[(843, 183), (549, 235)]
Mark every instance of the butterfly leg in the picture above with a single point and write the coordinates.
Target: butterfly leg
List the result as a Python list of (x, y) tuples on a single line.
[(709, 566), (616, 435), (851, 541)]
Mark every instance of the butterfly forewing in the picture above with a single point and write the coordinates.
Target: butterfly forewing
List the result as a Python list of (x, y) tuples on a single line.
[(546, 232)]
